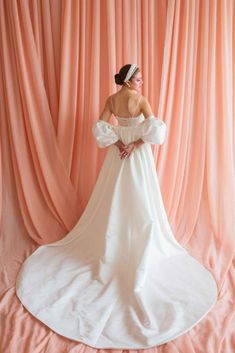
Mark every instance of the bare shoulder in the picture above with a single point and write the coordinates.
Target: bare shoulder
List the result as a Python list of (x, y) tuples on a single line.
[(145, 107), (144, 100), (109, 101)]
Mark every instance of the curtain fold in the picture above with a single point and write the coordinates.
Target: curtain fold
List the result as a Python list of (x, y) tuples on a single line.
[(58, 61), (47, 198)]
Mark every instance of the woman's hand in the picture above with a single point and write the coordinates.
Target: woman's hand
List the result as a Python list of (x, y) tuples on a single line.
[(126, 150), (120, 145)]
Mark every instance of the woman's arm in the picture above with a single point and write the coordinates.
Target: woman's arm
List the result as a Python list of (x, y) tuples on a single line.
[(145, 107), (138, 142), (106, 113)]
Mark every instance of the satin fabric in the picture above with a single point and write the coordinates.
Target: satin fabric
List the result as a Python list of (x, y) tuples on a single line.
[(119, 279)]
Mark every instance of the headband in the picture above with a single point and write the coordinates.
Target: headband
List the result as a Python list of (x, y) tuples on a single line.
[(130, 72)]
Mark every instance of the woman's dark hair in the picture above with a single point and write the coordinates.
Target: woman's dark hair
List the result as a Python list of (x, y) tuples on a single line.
[(120, 77)]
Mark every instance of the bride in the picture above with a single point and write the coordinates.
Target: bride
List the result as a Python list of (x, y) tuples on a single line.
[(119, 279), (128, 102)]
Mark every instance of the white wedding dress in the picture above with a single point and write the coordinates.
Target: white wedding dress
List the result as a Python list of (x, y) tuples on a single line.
[(119, 279)]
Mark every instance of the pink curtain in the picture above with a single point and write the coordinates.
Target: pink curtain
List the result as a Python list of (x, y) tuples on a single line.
[(58, 59)]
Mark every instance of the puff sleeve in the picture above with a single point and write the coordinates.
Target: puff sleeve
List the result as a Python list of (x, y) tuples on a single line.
[(153, 130), (104, 133)]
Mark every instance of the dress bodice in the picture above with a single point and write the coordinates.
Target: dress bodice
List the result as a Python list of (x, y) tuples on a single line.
[(151, 129), (130, 121)]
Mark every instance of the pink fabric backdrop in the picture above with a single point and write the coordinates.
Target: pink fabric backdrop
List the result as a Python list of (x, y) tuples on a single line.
[(58, 59)]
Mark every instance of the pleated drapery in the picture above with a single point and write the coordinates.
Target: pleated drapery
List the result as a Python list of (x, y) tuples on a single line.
[(58, 60)]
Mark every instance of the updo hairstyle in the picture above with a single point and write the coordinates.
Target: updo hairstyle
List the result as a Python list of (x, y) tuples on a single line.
[(120, 77)]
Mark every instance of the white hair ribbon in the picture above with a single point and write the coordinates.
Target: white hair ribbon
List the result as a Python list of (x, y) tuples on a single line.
[(130, 72)]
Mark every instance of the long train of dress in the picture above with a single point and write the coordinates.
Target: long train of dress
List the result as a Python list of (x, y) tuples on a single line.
[(119, 279)]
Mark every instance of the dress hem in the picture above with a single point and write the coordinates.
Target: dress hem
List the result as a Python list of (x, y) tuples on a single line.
[(117, 347)]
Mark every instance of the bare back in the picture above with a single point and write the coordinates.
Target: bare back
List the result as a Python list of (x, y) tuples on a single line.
[(125, 105)]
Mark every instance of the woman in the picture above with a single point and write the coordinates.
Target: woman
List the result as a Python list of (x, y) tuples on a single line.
[(120, 279), (128, 101)]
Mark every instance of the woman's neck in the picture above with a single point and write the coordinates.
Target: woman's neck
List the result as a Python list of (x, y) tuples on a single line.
[(128, 90)]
